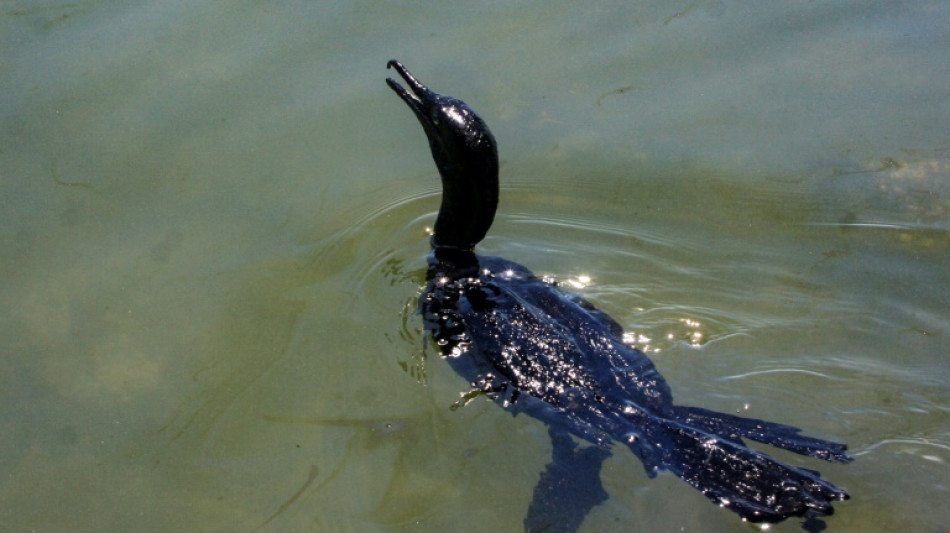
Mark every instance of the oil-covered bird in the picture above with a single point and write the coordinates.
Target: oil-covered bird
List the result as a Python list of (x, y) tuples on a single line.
[(537, 349)]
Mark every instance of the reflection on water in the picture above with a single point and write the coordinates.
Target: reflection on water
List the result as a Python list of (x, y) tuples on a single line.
[(215, 227)]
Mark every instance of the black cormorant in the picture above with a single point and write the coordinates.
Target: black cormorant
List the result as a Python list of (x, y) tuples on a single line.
[(536, 349)]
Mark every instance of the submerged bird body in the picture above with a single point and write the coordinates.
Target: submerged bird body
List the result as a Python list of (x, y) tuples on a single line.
[(537, 349)]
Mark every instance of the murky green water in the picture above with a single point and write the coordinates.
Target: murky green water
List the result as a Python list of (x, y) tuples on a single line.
[(213, 233)]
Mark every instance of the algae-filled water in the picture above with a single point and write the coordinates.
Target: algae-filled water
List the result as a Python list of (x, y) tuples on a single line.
[(214, 223)]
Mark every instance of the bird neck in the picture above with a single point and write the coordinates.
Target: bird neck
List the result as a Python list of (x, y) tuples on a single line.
[(469, 201)]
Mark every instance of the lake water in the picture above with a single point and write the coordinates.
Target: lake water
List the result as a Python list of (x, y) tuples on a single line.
[(214, 225)]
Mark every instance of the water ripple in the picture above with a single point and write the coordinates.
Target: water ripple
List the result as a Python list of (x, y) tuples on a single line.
[(781, 371), (910, 445)]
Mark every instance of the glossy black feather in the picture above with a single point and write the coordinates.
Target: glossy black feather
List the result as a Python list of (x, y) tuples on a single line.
[(537, 349)]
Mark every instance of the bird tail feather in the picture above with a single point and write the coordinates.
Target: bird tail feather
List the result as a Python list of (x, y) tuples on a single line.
[(704, 448), (778, 435)]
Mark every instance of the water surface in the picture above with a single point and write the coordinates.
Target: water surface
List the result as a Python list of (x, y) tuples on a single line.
[(214, 231)]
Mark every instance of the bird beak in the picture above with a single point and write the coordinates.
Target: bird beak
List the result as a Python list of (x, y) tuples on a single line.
[(421, 97)]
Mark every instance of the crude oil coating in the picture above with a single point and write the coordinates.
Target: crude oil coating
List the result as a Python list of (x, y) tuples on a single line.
[(537, 349)]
